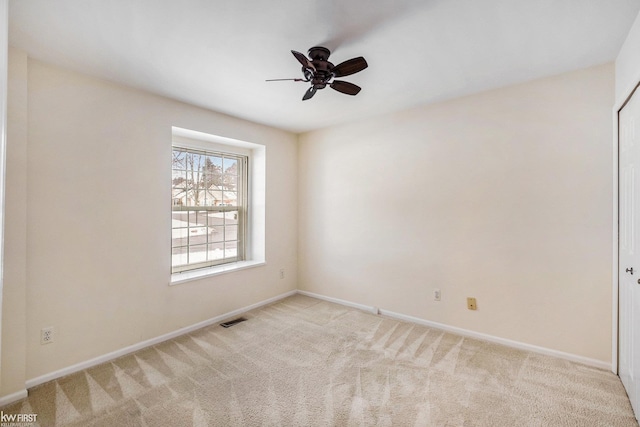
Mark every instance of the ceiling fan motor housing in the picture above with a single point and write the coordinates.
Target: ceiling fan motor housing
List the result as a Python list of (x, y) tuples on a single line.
[(320, 53), (319, 56)]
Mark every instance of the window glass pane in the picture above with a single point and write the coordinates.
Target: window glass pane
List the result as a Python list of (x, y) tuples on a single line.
[(197, 253), (231, 217), (197, 236), (194, 195), (215, 196), (178, 198), (179, 256), (216, 234), (230, 178), (230, 198), (178, 159), (208, 199), (215, 219), (179, 237), (213, 171), (180, 218), (215, 251), (206, 182), (195, 162), (230, 249), (231, 232), (195, 179), (230, 182), (230, 165), (215, 162), (178, 179)]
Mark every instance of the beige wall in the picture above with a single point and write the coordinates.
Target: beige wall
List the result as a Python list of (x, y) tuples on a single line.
[(504, 196), (97, 218), (14, 317)]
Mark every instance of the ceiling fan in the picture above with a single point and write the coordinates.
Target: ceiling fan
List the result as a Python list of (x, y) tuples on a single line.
[(320, 72)]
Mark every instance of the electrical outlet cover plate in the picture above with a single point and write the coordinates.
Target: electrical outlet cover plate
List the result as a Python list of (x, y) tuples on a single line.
[(46, 335), (471, 304), (437, 294)]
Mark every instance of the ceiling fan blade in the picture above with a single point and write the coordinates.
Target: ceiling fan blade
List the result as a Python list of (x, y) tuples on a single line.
[(281, 80), (303, 60), (309, 93), (345, 87), (349, 67)]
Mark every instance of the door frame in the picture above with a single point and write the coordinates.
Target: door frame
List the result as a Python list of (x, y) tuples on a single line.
[(616, 225)]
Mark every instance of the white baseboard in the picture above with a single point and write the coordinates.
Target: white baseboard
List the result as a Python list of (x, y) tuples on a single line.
[(13, 397), (143, 344), (362, 307), (467, 333)]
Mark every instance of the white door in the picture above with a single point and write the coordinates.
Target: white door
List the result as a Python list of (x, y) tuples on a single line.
[(629, 249)]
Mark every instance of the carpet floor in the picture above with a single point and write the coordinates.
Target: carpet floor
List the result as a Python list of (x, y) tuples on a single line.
[(307, 362)]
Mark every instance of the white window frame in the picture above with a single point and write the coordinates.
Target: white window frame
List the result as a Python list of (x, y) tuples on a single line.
[(254, 236), (240, 210)]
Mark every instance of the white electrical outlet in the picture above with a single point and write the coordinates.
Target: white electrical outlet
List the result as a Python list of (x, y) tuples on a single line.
[(46, 335), (282, 273), (436, 294)]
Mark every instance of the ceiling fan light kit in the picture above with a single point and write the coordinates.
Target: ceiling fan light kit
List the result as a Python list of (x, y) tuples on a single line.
[(317, 70)]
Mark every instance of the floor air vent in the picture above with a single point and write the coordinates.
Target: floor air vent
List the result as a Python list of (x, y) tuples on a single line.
[(232, 322)]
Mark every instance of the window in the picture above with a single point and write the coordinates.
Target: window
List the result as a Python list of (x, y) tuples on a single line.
[(218, 205), (209, 208)]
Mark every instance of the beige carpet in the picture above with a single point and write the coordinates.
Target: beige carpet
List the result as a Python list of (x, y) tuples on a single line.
[(305, 362)]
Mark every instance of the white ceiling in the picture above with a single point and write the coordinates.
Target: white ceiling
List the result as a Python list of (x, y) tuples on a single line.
[(217, 54)]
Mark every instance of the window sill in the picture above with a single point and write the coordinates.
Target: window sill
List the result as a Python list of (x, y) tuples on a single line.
[(188, 276)]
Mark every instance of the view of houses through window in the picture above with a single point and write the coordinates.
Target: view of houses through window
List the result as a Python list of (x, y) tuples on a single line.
[(208, 208)]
